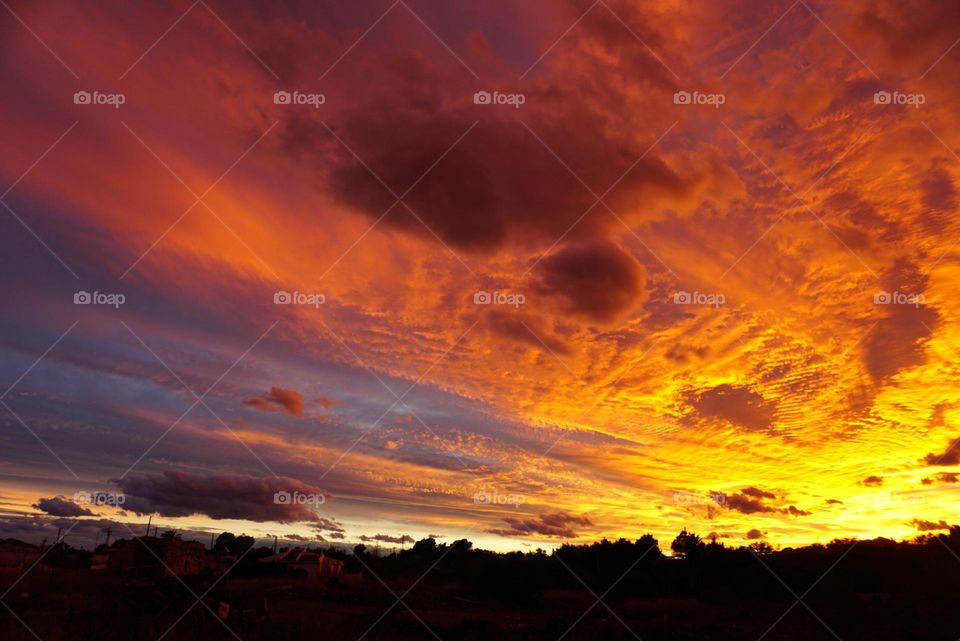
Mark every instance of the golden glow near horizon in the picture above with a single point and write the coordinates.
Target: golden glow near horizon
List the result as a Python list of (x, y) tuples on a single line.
[(738, 315)]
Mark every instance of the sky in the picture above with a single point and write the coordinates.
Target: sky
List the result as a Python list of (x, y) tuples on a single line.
[(522, 272)]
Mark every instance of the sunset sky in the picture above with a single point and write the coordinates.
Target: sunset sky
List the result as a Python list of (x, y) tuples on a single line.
[(720, 243)]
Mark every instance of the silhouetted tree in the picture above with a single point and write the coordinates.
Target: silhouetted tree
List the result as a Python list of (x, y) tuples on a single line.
[(686, 544), (229, 543), (648, 542), (761, 548), (425, 547)]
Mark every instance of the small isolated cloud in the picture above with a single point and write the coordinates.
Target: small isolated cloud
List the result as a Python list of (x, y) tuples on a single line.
[(929, 526), (61, 506), (942, 477), (278, 400), (872, 481), (950, 456), (324, 402), (323, 524), (754, 534), (753, 500), (559, 524), (386, 538)]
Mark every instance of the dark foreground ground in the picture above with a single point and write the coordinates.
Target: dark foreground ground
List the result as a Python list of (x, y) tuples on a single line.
[(281, 610), (850, 590)]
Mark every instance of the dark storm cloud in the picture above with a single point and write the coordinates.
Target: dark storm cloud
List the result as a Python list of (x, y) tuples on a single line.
[(939, 191), (219, 496), (912, 32), (753, 500), (739, 405), (872, 481), (593, 279), (525, 329), (499, 182), (559, 524), (898, 340), (61, 506), (950, 456)]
